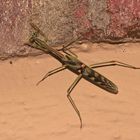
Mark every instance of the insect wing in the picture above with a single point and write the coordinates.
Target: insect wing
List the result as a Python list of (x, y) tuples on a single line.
[(99, 80)]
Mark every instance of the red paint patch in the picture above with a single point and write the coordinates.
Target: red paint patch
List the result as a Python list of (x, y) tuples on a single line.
[(123, 13), (80, 15)]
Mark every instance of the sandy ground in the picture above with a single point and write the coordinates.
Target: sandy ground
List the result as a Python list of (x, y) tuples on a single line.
[(30, 112)]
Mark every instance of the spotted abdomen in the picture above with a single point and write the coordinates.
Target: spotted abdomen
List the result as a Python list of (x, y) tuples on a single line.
[(99, 80)]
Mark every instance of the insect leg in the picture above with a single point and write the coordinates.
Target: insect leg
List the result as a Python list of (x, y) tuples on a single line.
[(113, 63), (51, 73), (66, 48), (69, 44), (38, 31), (71, 100), (69, 52)]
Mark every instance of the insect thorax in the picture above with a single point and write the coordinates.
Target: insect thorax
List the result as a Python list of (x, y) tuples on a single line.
[(72, 62)]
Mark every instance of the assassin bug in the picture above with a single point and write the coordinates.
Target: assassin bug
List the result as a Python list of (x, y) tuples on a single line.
[(70, 61)]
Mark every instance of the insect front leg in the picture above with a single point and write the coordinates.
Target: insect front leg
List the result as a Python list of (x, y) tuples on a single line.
[(69, 52), (113, 63), (38, 31), (71, 100), (51, 73), (66, 48)]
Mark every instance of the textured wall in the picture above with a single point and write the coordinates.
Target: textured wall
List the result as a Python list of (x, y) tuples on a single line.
[(110, 21), (30, 112)]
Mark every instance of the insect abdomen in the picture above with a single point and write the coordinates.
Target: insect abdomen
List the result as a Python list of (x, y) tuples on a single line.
[(99, 80)]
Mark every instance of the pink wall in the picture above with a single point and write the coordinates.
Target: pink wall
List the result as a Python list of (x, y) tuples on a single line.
[(62, 21)]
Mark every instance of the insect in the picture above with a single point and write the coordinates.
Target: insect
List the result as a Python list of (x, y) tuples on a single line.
[(70, 61)]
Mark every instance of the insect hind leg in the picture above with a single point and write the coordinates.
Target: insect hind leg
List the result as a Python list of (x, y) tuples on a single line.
[(113, 63)]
